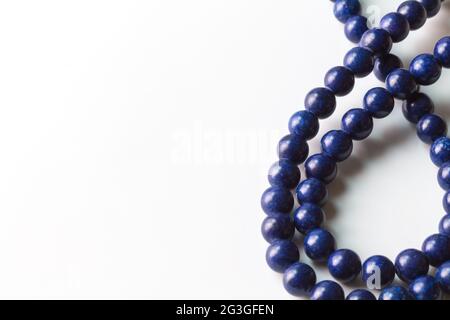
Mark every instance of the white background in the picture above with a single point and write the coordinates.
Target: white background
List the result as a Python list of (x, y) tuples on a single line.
[(135, 139)]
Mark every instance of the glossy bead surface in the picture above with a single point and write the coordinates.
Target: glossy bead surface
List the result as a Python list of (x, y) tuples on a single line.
[(440, 151), (360, 61), (355, 28), (360, 294), (414, 12), (395, 293), (277, 227), (281, 255), (444, 224), (284, 173), (416, 106), (307, 217), (337, 144), (319, 244), (397, 26), (410, 264), (378, 272), (293, 148), (312, 190), (344, 9), (321, 102), (305, 124), (444, 176), (425, 69), (379, 102), (299, 279), (443, 276), (431, 127), (446, 202), (327, 290), (442, 52), (386, 64), (321, 167), (344, 265), (277, 200), (357, 123), (437, 249), (339, 80), (376, 40), (401, 84), (431, 6), (425, 288)]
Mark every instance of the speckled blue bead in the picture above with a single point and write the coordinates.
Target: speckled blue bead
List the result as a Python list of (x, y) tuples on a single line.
[(357, 123), (321, 102), (281, 255), (401, 84), (379, 102), (446, 202), (340, 80), (355, 28), (337, 144), (425, 69), (327, 290), (386, 64), (377, 40), (313, 191), (319, 244), (397, 26), (425, 288), (444, 176), (431, 127), (414, 12), (344, 265), (360, 294), (277, 227), (431, 6), (344, 9), (440, 151), (395, 293), (360, 61), (299, 279), (443, 276), (293, 148), (444, 224), (437, 249), (416, 106), (307, 217), (410, 264), (378, 272), (277, 200), (305, 124), (321, 167), (442, 52), (284, 173)]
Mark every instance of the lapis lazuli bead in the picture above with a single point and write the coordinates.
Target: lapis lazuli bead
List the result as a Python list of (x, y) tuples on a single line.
[(344, 9), (397, 26), (337, 144), (357, 123), (377, 40), (440, 151), (410, 264), (401, 84), (443, 276), (321, 102), (321, 167), (305, 124), (277, 200), (327, 290), (313, 191), (360, 294), (414, 12), (360, 61), (446, 202), (284, 173), (444, 176), (386, 64), (431, 127), (378, 272), (293, 148), (379, 102), (437, 249), (425, 288), (395, 293), (431, 6), (355, 28), (344, 265), (416, 106), (425, 69), (281, 255), (319, 244), (299, 279), (307, 217), (339, 80), (277, 227), (444, 224), (442, 52)]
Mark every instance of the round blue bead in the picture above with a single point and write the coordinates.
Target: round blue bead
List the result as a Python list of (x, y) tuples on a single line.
[(357, 123), (401, 84), (377, 40), (397, 26), (416, 106), (440, 151), (437, 249), (340, 80), (386, 64), (360, 294), (299, 279), (431, 127), (344, 9), (284, 173), (281, 255), (443, 276), (444, 176), (395, 293), (305, 124), (344, 265), (378, 272), (431, 6), (277, 200), (337, 144), (313, 191), (321, 102), (293, 148), (360, 61), (327, 290), (446, 203), (307, 217), (410, 264), (321, 167), (442, 52), (414, 12), (355, 28), (444, 224), (319, 244), (425, 69), (277, 227), (379, 102), (425, 288)]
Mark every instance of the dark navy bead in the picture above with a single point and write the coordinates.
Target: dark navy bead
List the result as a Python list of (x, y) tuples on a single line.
[(416, 106), (313, 191), (440, 151), (386, 64), (431, 127), (401, 84), (444, 176), (357, 123), (344, 265), (379, 102), (281, 255), (340, 80), (395, 293), (410, 264), (284, 173), (432, 6), (319, 244), (443, 276), (293, 148), (344, 9), (299, 279), (277, 200), (378, 272), (321, 102), (277, 227), (307, 217), (414, 12), (360, 61), (442, 52), (327, 290), (425, 69), (425, 288), (397, 26), (355, 28), (305, 124), (337, 144), (360, 294), (321, 167), (377, 40), (444, 224), (437, 249)]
